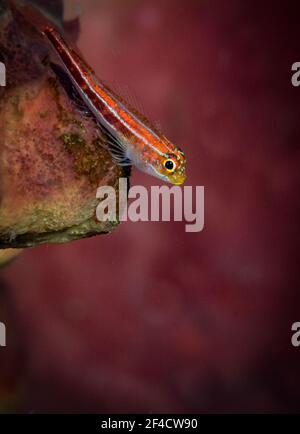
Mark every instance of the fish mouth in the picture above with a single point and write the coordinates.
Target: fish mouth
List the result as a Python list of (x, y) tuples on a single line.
[(174, 179), (178, 180)]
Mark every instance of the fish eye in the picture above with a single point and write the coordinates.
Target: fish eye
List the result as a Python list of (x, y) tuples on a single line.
[(170, 165)]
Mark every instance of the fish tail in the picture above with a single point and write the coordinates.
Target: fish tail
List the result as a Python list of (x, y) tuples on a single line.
[(25, 14)]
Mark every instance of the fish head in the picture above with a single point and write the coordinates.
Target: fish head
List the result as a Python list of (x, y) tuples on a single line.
[(171, 167), (163, 160)]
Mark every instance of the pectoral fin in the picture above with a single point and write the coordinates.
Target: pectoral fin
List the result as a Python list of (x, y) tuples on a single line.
[(116, 147)]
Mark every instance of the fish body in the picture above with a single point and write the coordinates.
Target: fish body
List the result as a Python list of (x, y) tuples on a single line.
[(131, 137)]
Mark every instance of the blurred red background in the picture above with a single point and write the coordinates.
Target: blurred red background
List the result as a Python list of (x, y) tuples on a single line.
[(151, 318)]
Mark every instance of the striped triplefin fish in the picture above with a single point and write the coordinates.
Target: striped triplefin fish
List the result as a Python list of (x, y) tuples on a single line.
[(129, 136)]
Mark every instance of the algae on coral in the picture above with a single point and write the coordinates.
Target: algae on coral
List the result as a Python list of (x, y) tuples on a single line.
[(51, 158)]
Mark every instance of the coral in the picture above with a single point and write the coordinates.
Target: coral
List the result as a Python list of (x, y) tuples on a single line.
[(51, 158)]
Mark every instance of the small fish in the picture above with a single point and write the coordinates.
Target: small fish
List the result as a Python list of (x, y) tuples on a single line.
[(131, 139)]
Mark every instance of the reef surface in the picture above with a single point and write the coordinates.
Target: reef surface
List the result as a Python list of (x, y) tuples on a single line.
[(51, 158)]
